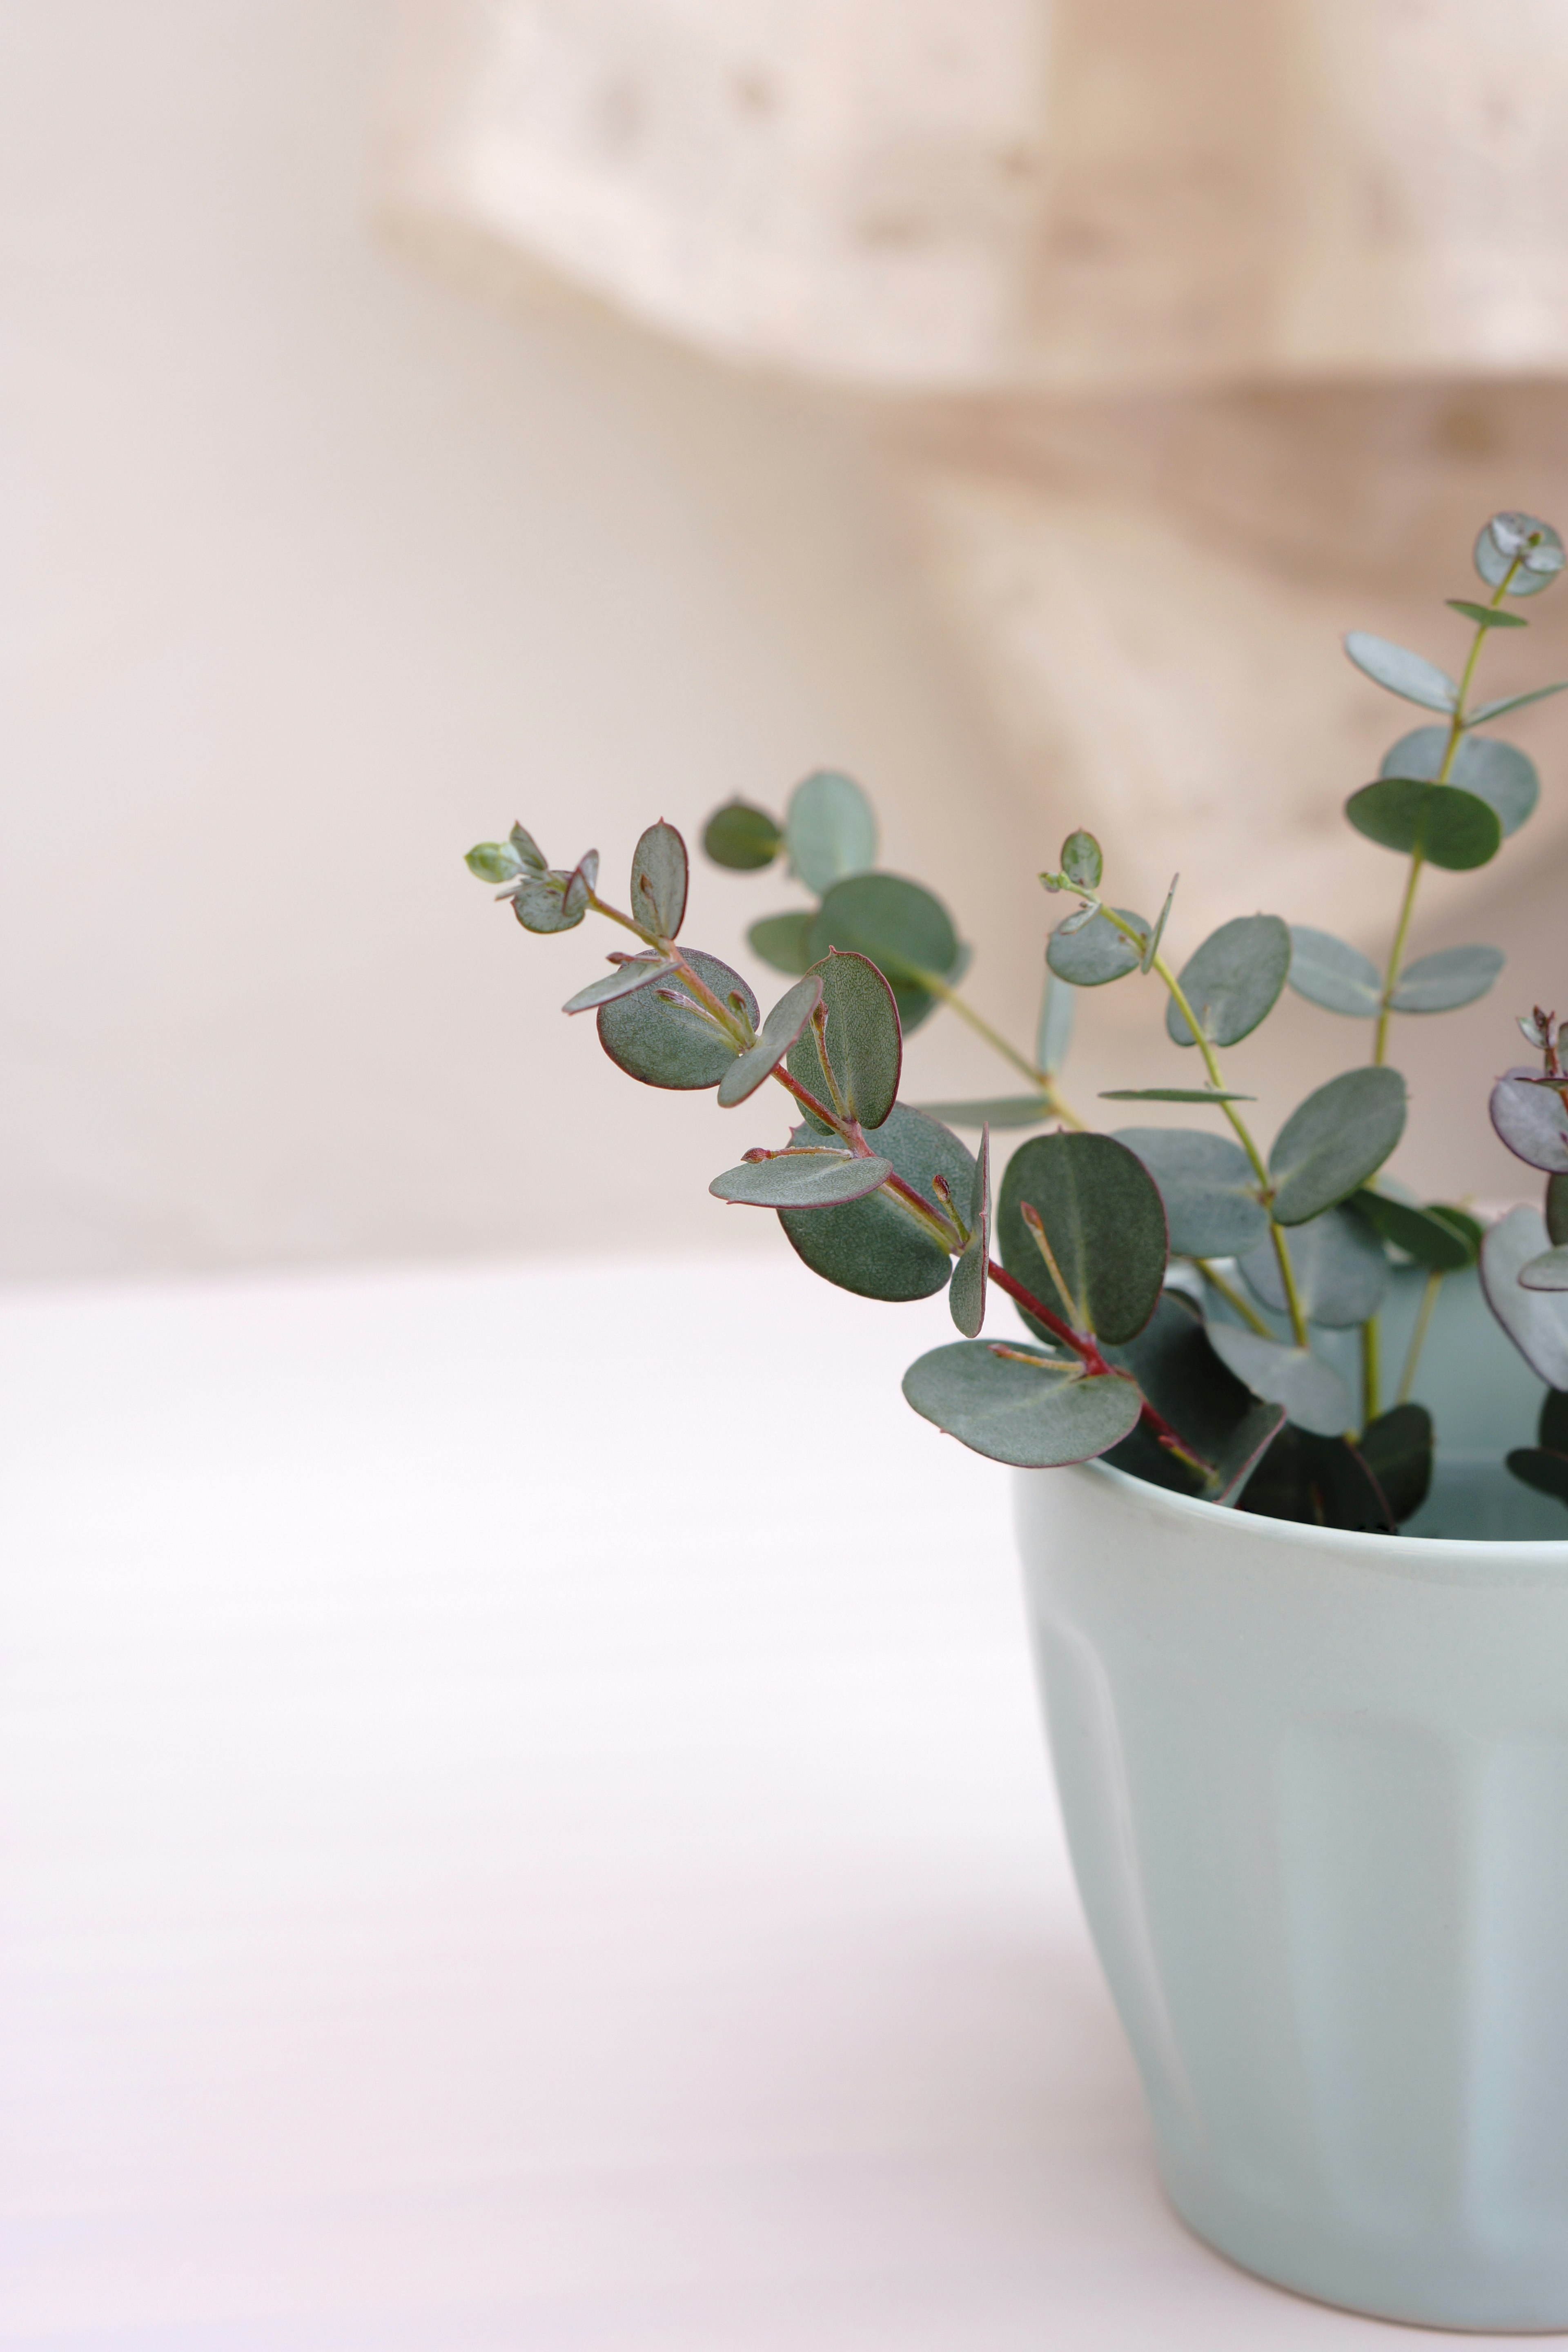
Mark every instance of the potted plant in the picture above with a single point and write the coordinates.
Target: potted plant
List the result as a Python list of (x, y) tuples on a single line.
[(1292, 1449)]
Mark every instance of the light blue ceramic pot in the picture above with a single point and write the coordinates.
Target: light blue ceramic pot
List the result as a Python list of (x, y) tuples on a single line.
[(1316, 1788)]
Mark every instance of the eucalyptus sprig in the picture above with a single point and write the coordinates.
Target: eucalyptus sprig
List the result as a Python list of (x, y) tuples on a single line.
[(1212, 1380)]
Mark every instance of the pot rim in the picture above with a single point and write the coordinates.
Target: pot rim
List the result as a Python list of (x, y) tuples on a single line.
[(1397, 1555)]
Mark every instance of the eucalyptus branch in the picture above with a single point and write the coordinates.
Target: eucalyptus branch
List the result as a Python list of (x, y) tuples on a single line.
[(1455, 735), (941, 1228), (1243, 1133), (1114, 1210)]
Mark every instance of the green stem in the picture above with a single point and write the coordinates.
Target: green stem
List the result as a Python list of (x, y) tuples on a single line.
[(939, 988), (1233, 1298), (1419, 1337), (614, 915), (1450, 749), (1370, 1404), (1397, 957), (1179, 999), (1288, 1276)]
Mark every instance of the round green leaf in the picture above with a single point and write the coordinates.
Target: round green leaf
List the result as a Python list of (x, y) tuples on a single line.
[(1535, 1320), (1455, 830), (1494, 771), (1429, 1235), (1341, 1271), (1331, 972), (1547, 1272), (1531, 1119), (1334, 1140), (780, 1030), (1404, 673), (741, 838), (1208, 1186), (1311, 1391), (966, 1292), (783, 941), (1234, 980), (1454, 976), (675, 1046), (808, 1180), (1096, 951), (864, 1048), (660, 871), (1035, 1416), (900, 926), (874, 1247), (830, 831), (1104, 1220), (1513, 538), (556, 902)]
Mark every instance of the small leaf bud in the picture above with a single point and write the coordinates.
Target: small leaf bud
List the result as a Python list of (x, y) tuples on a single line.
[(1081, 861)]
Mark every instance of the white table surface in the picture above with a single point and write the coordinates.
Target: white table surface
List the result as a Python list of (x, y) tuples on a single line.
[(524, 1824)]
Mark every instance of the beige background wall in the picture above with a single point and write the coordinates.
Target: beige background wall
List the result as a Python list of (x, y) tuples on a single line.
[(314, 571), (317, 564)]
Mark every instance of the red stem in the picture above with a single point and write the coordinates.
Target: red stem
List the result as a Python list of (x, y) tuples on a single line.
[(1083, 1345), (851, 1133)]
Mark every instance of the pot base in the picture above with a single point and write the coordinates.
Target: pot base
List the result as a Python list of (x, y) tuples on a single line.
[(1470, 2292)]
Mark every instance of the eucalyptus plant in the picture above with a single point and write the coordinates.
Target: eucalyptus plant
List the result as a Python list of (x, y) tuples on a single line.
[(1170, 1280)]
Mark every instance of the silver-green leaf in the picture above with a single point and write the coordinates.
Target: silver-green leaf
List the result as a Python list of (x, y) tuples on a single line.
[(1311, 1391), (1547, 1272), (1037, 1415), (1334, 1140), (830, 830), (1054, 1034), (1331, 972), (780, 1030), (1089, 954), (1232, 982), (1454, 976), (659, 875), (1208, 1186), (1535, 1320), (1401, 671), (966, 1293), (802, 1179), (1340, 1267), (634, 973)]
